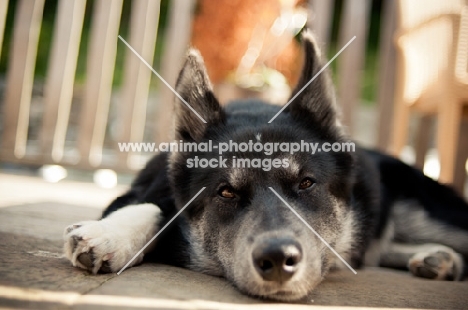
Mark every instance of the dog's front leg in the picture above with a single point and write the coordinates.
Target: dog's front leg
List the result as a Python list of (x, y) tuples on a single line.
[(110, 243)]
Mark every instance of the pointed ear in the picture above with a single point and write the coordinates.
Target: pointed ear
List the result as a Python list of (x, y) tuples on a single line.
[(194, 86), (314, 103)]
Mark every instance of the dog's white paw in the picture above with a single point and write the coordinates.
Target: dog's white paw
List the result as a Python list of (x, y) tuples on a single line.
[(98, 246), (437, 265), (109, 244)]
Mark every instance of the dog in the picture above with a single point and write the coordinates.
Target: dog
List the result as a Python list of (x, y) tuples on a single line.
[(370, 208)]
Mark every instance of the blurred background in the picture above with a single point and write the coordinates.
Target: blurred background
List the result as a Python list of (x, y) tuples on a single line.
[(70, 90)]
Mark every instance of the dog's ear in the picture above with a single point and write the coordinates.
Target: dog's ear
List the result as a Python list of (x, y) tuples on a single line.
[(194, 86), (314, 103)]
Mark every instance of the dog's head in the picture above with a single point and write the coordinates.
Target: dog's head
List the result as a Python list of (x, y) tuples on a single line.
[(238, 227)]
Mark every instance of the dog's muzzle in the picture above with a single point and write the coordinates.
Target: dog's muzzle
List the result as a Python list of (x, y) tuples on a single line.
[(277, 259)]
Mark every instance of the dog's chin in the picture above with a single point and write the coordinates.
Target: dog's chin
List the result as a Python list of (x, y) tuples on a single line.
[(284, 296), (288, 292)]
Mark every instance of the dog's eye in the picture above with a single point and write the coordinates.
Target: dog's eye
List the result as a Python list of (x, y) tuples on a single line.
[(306, 183), (226, 192)]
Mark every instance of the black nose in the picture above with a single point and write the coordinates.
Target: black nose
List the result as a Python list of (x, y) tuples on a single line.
[(277, 259)]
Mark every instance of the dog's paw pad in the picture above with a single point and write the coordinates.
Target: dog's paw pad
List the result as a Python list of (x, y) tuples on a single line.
[(106, 267), (431, 261), (437, 265), (86, 259), (89, 260)]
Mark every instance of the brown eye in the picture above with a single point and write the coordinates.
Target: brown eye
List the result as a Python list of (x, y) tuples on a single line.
[(226, 192), (306, 183)]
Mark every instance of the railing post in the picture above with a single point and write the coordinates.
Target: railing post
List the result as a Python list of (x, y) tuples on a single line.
[(3, 13), (101, 63), (320, 17), (132, 110), (387, 68), (351, 62), (61, 77), (177, 40), (20, 77)]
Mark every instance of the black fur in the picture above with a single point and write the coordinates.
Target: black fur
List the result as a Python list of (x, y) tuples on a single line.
[(400, 181)]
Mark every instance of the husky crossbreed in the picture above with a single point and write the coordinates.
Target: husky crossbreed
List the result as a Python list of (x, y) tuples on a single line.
[(372, 209)]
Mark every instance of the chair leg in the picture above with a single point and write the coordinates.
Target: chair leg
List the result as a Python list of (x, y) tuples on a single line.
[(448, 128), (462, 155), (400, 127), (423, 136)]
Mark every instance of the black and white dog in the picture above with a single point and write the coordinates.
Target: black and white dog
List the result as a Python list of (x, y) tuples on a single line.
[(371, 208)]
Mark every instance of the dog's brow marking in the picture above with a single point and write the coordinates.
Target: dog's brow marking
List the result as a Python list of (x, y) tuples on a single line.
[(162, 80), (161, 230), (313, 230), (311, 80)]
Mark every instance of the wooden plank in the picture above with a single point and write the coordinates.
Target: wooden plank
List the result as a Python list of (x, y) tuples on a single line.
[(3, 13), (101, 62), (351, 61), (132, 116), (61, 76), (177, 39), (320, 18), (20, 76), (387, 67)]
